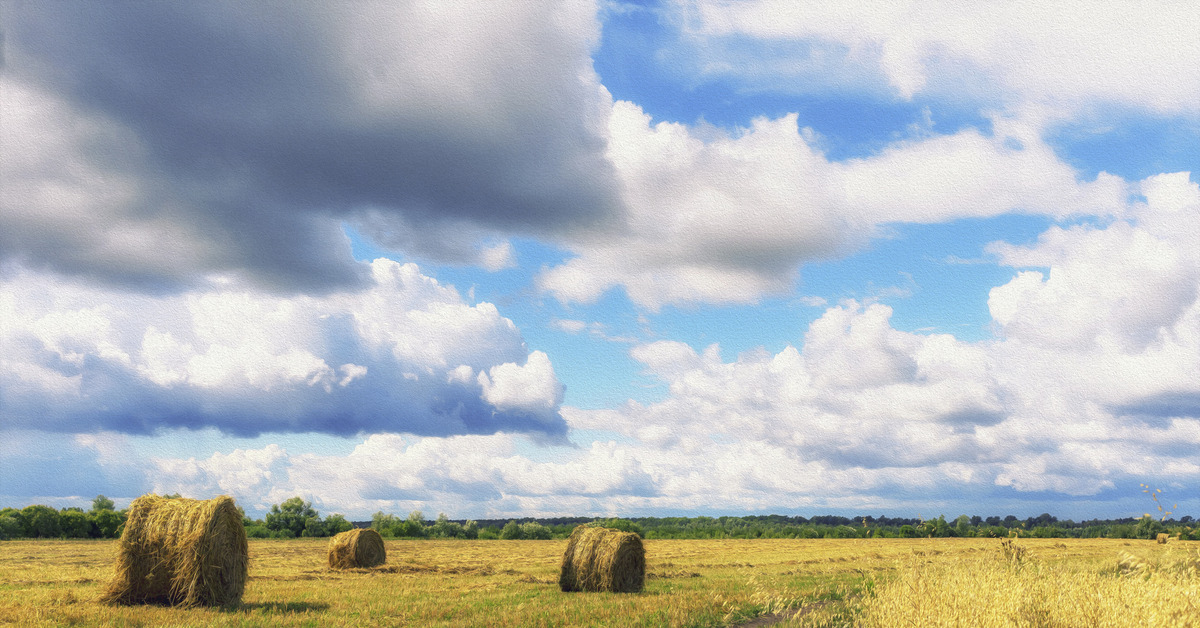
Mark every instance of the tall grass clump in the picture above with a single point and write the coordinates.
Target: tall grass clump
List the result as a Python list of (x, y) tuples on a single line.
[(183, 552), (989, 592)]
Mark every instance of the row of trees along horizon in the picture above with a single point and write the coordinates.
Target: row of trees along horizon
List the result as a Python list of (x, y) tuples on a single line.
[(297, 518)]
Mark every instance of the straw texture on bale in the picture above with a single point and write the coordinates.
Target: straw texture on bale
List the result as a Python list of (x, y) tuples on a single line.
[(603, 559), (1162, 537), (362, 547), (183, 552)]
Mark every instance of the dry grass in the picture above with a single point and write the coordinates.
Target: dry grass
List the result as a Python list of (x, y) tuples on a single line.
[(362, 547), (451, 583), (603, 559), (184, 552), (1136, 585)]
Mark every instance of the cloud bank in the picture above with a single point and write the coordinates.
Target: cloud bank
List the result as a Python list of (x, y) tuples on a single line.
[(404, 355)]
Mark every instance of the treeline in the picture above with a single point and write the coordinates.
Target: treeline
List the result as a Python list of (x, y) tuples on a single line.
[(44, 522), (297, 518), (293, 518), (832, 526)]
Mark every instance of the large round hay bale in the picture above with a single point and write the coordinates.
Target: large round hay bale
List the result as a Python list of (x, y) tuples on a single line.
[(362, 547), (1162, 538), (184, 552), (603, 559)]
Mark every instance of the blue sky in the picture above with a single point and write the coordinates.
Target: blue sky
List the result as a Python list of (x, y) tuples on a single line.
[(602, 258)]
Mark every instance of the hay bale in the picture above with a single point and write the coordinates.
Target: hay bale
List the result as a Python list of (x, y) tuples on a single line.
[(362, 547), (603, 559), (1162, 538), (183, 552)]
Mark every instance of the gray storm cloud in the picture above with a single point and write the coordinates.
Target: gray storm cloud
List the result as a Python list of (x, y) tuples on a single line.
[(234, 140)]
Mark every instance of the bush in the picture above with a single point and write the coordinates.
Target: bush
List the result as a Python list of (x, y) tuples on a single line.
[(511, 531), (808, 532), (623, 525), (409, 528), (535, 530), (488, 534), (1148, 528), (256, 531), (10, 527), (843, 532)]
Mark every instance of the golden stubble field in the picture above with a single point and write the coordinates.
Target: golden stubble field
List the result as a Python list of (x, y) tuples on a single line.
[(872, 582)]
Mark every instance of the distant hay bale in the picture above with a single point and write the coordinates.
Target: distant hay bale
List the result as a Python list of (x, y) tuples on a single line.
[(1162, 537), (362, 547), (183, 552), (603, 559)]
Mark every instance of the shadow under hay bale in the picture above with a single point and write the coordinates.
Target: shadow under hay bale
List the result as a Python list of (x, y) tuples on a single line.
[(362, 547), (603, 559), (183, 552)]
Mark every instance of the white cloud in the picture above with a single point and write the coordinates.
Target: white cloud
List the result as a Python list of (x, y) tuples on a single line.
[(1066, 54), (398, 356), (731, 218), (567, 325), (531, 388)]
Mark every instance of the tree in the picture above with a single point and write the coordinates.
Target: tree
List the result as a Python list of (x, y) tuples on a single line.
[(384, 524), (10, 527), (337, 524), (41, 521), (314, 527), (102, 503), (445, 528), (108, 523), (292, 515)]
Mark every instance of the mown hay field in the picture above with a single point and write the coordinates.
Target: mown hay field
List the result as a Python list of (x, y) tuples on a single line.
[(515, 583)]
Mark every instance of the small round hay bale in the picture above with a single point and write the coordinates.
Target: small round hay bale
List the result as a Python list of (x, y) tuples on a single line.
[(362, 547), (1162, 538), (603, 559), (184, 552)]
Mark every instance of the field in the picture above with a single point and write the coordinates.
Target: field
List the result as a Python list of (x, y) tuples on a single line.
[(873, 582)]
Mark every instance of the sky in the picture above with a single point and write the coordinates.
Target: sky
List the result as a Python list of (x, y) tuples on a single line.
[(593, 258)]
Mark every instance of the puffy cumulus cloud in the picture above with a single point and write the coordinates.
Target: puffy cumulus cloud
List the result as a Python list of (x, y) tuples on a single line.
[(237, 139), (531, 388), (1116, 319), (1133, 54), (729, 217), (257, 478), (859, 417), (399, 356)]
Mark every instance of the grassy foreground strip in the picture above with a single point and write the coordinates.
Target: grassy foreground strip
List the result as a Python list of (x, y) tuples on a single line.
[(692, 583), (1145, 587)]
